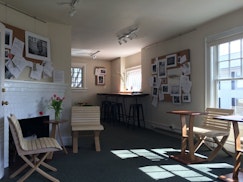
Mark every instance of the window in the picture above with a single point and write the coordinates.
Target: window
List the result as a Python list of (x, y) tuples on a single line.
[(78, 76), (133, 79), (225, 71)]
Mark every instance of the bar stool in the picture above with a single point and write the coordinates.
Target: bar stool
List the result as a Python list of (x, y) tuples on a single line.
[(105, 111), (136, 114), (120, 113)]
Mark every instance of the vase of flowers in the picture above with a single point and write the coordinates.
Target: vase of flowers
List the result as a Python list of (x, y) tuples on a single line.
[(56, 104)]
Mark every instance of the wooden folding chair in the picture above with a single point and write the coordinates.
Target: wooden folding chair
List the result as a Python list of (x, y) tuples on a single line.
[(32, 148), (215, 129)]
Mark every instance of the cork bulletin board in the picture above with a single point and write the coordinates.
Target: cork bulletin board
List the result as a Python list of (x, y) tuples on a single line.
[(171, 78), (37, 56), (20, 34)]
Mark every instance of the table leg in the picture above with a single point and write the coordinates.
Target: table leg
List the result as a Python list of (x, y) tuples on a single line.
[(190, 140), (60, 137), (75, 141), (183, 134), (236, 175)]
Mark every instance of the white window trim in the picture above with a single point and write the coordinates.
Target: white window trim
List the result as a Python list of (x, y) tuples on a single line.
[(231, 34), (84, 66)]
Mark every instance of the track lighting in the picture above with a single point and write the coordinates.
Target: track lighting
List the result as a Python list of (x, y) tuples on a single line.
[(127, 36), (73, 4), (72, 11), (93, 55)]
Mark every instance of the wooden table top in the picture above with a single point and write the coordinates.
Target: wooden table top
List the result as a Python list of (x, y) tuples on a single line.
[(234, 118), (187, 112)]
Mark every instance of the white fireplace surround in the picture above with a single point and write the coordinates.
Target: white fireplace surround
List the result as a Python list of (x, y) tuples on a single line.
[(27, 99)]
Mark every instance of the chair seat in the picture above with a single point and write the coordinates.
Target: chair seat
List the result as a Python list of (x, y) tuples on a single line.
[(40, 145), (210, 132)]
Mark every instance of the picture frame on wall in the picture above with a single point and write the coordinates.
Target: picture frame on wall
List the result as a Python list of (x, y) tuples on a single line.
[(171, 60), (162, 68), (154, 68), (100, 80), (176, 99), (37, 47), (155, 91), (8, 38), (165, 88), (186, 97)]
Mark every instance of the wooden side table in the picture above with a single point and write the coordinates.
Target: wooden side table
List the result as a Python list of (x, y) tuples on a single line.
[(187, 136), (55, 126)]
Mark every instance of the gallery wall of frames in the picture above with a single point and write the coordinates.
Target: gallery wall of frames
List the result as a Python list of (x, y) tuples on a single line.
[(171, 78)]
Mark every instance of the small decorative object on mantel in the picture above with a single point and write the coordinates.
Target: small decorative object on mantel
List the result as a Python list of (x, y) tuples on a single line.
[(56, 104)]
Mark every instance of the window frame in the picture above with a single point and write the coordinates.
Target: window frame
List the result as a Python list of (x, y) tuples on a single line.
[(82, 66), (211, 68)]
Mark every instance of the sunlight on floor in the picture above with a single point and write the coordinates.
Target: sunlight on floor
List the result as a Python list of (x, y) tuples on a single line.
[(193, 172)]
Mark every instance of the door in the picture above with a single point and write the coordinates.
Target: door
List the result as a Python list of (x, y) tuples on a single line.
[(2, 70)]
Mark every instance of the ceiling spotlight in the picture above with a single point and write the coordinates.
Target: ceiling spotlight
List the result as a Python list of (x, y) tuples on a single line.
[(131, 34)]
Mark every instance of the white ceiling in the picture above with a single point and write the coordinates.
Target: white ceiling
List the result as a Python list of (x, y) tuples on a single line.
[(97, 23)]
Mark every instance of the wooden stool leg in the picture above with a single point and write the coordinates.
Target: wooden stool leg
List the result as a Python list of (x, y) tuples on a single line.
[(75, 141), (97, 140)]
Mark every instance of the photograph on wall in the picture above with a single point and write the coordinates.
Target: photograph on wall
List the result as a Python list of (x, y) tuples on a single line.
[(171, 60), (100, 80), (154, 68), (186, 97), (176, 99), (155, 81), (155, 91), (162, 68), (8, 38), (37, 47), (100, 71), (165, 88)]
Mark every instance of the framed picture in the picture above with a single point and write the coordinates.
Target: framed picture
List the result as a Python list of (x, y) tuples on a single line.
[(162, 68), (155, 80), (155, 91), (165, 88), (154, 68), (6, 53), (37, 47), (171, 60), (186, 97), (8, 38), (100, 71), (100, 80), (176, 99)]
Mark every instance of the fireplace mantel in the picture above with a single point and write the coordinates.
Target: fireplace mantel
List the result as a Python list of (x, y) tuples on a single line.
[(27, 99)]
